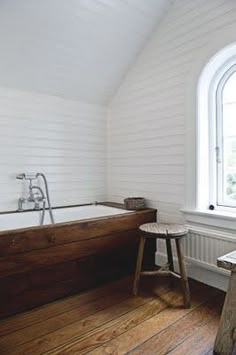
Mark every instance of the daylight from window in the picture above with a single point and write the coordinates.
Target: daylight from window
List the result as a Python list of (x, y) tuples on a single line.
[(228, 148)]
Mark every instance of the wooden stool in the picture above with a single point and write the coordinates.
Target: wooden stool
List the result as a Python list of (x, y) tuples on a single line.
[(167, 232), (226, 335)]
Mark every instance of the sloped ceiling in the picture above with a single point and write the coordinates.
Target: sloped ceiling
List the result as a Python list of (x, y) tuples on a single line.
[(76, 49)]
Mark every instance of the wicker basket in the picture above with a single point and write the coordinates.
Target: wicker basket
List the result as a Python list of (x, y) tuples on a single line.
[(134, 203)]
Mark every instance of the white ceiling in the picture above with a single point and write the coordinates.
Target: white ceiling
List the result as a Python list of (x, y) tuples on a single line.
[(77, 49)]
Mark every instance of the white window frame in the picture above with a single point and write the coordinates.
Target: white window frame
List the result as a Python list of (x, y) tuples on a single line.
[(209, 147), (207, 70), (219, 148)]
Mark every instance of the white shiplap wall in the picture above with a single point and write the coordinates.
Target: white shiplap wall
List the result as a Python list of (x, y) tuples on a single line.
[(64, 139), (147, 116)]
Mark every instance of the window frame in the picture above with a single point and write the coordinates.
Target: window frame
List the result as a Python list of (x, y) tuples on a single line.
[(216, 161), (207, 69)]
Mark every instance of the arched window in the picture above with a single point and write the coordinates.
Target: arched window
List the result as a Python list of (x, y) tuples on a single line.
[(225, 154), (216, 158), (210, 169)]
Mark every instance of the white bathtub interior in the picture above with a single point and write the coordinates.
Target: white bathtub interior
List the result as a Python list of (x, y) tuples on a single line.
[(10, 221)]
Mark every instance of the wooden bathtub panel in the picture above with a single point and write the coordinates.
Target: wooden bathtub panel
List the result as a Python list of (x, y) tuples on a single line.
[(36, 259), (13, 285), (41, 275), (24, 240), (97, 266), (19, 284), (76, 276)]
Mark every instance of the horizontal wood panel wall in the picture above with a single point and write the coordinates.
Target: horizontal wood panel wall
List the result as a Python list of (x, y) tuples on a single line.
[(64, 139), (147, 116), (38, 265)]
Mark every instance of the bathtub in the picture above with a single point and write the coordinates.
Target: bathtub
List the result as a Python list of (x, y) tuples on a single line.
[(16, 220), (87, 246)]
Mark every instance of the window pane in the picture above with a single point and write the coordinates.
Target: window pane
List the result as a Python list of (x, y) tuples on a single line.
[(229, 141)]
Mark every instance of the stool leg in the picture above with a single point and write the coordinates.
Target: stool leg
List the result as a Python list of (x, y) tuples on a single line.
[(169, 254), (170, 260), (226, 334), (183, 273), (138, 265)]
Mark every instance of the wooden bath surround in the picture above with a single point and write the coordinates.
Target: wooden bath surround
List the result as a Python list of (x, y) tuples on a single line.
[(41, 264)]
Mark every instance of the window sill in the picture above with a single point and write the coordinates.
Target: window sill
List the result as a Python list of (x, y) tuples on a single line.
[(219, 220)]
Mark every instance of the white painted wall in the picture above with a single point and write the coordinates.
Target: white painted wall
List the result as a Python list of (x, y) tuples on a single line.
[(152, 125), (64, 139), (147, 117), (74, 50)]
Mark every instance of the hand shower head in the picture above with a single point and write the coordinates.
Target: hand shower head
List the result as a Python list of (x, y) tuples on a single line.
[(24, 176), (20, 176)]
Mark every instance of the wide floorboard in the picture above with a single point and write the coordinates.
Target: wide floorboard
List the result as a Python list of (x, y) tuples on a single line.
[(109, 320)]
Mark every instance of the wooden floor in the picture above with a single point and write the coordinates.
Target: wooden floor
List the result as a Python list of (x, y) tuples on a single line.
[(109, 320)]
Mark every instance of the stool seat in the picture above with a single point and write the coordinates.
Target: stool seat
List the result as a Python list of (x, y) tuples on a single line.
[(168, 232), (164, 230)]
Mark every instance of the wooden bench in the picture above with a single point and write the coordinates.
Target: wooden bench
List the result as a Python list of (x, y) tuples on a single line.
[(226, 336)]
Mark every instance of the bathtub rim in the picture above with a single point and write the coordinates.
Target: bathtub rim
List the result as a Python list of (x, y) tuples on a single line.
[(7, 232), (53, 208)]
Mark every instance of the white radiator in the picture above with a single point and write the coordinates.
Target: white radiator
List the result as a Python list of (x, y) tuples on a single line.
[(202, 248)]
